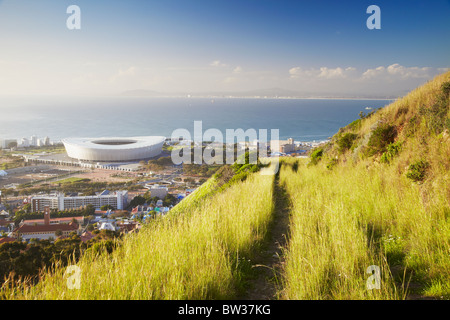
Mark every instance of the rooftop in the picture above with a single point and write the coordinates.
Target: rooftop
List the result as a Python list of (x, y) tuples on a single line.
[(46, 228)]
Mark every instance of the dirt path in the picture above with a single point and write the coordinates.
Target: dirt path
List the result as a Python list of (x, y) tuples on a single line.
[(268, 262)]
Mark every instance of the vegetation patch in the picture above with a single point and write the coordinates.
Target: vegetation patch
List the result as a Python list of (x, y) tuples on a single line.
[(345, 141), (436, 115), (381, 137), (417, 170), (391, 152), (316, 156)]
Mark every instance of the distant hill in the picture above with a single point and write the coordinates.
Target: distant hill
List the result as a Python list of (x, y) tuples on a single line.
[(263, 93)]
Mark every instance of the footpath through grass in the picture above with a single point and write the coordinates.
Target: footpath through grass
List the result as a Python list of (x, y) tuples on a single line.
[(264, 282)]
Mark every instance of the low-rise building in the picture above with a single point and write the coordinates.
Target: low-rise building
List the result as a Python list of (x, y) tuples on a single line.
[(45, 231), (65, 220), (107, 226), (159, 191), (127, 226), (6, 240)]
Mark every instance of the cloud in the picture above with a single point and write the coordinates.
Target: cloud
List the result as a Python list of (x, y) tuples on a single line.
[(295, 72), (321, 73), (237, 70), (131, 71), (217, 63), (372, 73), (391, 72), (298, 72), (330, 73), (397, 71)]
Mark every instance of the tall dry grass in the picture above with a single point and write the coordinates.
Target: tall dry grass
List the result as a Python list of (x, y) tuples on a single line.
[(196, 255), (354, 216)]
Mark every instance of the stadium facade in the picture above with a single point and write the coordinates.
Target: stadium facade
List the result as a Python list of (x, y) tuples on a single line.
[(114, 149)]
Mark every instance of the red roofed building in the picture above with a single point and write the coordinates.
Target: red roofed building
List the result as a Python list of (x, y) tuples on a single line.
[(65, 220), (46, 230), (126, 227), (6, 239), (41, 232)]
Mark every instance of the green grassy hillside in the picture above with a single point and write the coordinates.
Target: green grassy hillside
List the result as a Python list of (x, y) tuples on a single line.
[(376, 196)]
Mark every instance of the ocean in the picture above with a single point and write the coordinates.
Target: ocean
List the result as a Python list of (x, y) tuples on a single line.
[(59, 118)]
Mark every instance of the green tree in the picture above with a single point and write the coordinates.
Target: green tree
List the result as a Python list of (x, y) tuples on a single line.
[(137, 201), (106, 207)]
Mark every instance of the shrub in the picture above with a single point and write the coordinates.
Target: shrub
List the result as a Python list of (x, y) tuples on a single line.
[(382, 136), (345, 142), (393, 150), (417, 170), (316, 156), (355, 124)]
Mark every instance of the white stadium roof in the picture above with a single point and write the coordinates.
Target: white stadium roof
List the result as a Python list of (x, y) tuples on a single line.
[(114, 148)]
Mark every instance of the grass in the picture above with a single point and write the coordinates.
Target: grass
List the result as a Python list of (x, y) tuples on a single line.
[(202, 254), (352, 217), (331, 245), (390, 209), (73, 180)]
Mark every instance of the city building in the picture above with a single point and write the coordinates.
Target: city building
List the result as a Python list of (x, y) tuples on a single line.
[(158, 191), (45, 231), (66, 220), (24, 142), (282, 146), (4, 143), (118, 200)]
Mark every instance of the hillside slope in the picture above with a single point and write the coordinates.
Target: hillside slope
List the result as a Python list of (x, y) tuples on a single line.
[(377, 195)]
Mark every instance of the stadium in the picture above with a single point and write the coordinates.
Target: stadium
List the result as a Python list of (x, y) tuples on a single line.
[(114, 149)]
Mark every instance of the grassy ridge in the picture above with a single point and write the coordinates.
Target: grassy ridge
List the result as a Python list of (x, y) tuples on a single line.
[(198, 255), (378, 193), (352, 217)]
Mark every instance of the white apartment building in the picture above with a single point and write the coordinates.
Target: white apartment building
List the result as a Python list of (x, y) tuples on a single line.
[(118, 200), (158, 191)]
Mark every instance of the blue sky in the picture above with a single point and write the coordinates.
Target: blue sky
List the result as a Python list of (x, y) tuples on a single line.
[(221, 45)]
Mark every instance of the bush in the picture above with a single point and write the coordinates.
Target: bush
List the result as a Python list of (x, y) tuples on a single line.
[(392, 151), (345, 142), (355, 124), (316, 156), (382, 136), (417, 170)]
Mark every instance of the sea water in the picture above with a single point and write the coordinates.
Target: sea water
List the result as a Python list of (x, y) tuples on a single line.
[(63, 117)]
